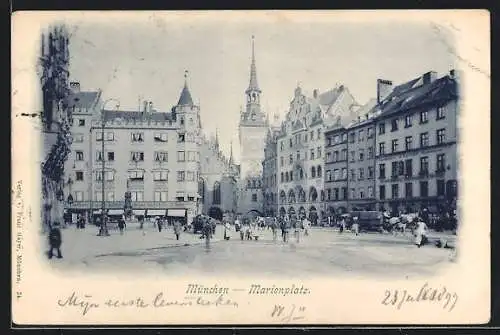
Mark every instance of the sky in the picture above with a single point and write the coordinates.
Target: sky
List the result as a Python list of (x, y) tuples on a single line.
[(147, 58)]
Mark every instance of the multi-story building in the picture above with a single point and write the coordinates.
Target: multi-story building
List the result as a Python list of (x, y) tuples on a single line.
[(253, 127), (416, 145), (153, 156), (300, 149), (336, 170), (269, 171), (56, 119)]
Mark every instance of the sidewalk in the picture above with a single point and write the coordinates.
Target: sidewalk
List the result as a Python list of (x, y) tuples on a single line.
[(81, 243)]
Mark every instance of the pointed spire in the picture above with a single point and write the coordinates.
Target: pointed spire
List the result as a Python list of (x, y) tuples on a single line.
[(231, 154), (185, 98), (253, 85), (217, 139)]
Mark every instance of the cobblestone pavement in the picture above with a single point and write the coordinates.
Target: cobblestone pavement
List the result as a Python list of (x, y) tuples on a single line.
[(324, 252)]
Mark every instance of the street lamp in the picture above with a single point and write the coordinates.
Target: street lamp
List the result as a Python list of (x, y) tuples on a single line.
[(103, 230)]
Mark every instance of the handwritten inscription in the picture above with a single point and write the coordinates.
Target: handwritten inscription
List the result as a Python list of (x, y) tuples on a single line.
[(442, 296), (288, 313)]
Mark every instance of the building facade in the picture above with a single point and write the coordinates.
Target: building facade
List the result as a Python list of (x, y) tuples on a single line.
[(253, 127), (269, 171), (154, 157), (416, 145), (336, 170), (300, 150)]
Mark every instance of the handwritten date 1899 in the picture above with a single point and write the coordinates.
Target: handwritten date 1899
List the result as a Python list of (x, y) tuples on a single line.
[(428, 294)]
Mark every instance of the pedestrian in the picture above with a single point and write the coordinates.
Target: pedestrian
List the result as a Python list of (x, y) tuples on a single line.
[(342, 225), (141, 222), (159, 223), (55, 240), (274, 228), (177, 229), (227, 231), (355, 226), (420, 233), (306, 224), (121, 225)]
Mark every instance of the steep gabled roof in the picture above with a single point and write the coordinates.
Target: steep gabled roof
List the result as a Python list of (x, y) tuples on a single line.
[(185, 99), (84, 100)]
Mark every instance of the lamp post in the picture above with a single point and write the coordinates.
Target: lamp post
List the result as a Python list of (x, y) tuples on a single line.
[(103, 230)]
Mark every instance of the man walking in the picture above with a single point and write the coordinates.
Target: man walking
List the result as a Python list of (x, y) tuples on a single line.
[(55, 240), (177, 229)]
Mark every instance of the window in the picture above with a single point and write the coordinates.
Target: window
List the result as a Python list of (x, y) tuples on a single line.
[(191, 156), (441, 136), (78, 196), (329, 141), (110, 136), (318, 150), (361, 193), (440, 113), (370, 152), (160, 156), (286, 177), (312, 154), (381, 128), (329, 194), (344, 173), (290, 159), (353, 154), (254, 197), (290, 143), (298, 155), (79, 155), (337, 139), (160, 175), (370, 192), (160, 137), (344, 138), (408, 143), (440, 187), (181, 138), (394, 125), (381, 148), (137, 156), (181, 156), (181, 176), (81, 122), (110, 175), (352, 137), (408, 190), (137, 137), (440, 163), (78, 138), (394, 145), (79, 175), (281, 146), (361, 154), (395, 191), (182, 121), (328, 175), (424, 165), (336, 174), (111, 156), (110, 196), (361, 173), (329, 157), (369, 132), (424, 116), (160, 196), (370, 172), (382, 192), (282, 177), (353, 174), (305, 137), (424, 140), (353, 193), (281, 161), (313, 172), (319, 173), (394, 169), (98, 136), (291, 178), (361, 135), (136, 175), (424, 189), (343, 155), (381, 170), (408, 121), (137, 196), (408, 168), (98, 155)]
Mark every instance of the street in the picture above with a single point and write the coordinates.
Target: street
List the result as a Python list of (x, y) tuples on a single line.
[(323, 252)]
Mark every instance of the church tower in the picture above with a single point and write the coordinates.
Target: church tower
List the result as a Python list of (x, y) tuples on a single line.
[(253, 127)]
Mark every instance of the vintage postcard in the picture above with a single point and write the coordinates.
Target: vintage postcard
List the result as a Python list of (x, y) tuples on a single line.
[(259, 167)]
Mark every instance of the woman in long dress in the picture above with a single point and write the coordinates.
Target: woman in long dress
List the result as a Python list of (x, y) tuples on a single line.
[(227, 231), (420, 233)]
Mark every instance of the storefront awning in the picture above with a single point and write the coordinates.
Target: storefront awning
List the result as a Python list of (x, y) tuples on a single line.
[(176, 212), (115, 212), (139, 211), (156, 212)]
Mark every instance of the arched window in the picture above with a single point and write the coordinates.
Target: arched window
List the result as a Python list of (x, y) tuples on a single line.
[(313, 194), (282, 196), (301, 174), (291, 197), (282, 177), (286, 176), (313, 172), (254, 184), (291, 175), (319, 171), (322, 195), (216, 195)]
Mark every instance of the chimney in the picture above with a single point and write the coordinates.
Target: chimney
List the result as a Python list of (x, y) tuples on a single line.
[(429, 77), (74, 86), (315, 94), (150, 108), (145, 110), (384, 88), (366, 116)]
